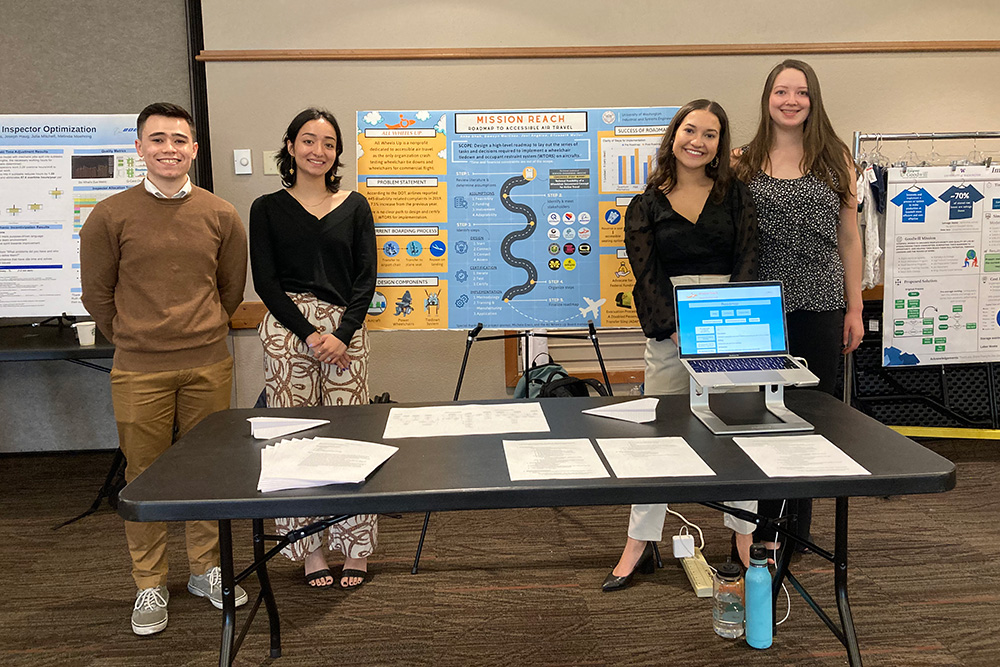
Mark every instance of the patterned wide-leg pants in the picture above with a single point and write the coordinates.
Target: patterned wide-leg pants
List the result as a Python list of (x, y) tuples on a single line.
[(295, 378)]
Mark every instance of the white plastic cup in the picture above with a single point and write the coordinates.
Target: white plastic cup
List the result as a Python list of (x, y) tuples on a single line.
[(85, 332)]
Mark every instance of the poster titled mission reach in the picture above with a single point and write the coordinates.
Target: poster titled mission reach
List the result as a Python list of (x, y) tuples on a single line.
[(509, 218)]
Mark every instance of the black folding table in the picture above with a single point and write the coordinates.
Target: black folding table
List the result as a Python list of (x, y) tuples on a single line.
[(212, 473), (25, 340)]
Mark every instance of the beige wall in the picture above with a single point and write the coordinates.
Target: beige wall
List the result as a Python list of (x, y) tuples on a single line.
[(251, 103), (320, 24)]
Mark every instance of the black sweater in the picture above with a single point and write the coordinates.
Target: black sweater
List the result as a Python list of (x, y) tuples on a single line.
[(333, 258)]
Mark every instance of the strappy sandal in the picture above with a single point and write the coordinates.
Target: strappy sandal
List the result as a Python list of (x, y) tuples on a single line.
[(349, 574), (316, 576)]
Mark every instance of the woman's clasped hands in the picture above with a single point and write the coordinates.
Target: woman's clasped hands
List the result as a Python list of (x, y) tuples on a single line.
[(328, 349)]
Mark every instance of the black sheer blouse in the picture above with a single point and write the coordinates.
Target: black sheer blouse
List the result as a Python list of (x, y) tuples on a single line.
[(661, 243)]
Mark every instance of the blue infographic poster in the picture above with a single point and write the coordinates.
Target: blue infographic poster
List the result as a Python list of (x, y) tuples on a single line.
[(53, 171), (942, 266), (513, 219)]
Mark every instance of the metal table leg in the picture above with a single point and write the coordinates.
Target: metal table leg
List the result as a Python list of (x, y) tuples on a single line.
[(265, 588), (840, 585), (845, 633), (226, 652)]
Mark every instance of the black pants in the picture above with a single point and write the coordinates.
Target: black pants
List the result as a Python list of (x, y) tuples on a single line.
[(819, 337)]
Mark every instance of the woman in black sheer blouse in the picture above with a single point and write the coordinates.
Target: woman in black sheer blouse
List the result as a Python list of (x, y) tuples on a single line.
[(693, 223)]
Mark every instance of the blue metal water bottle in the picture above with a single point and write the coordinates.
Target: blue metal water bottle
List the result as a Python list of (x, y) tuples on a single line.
[(759, 608)]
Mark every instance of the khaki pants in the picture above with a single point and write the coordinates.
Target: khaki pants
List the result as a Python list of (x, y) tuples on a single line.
[(147, 407)]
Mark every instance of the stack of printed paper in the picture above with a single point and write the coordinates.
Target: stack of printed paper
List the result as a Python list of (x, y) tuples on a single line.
[(304, 462)]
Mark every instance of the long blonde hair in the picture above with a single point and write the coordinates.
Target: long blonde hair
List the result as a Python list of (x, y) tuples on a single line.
[(825, 155)]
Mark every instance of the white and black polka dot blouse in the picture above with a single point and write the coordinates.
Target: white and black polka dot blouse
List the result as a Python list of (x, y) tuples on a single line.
[(797, 220)]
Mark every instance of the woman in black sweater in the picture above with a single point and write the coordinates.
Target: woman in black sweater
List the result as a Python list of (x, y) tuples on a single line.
[(313, 258)]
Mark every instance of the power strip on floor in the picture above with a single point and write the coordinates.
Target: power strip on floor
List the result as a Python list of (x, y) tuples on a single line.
[(698, 573)]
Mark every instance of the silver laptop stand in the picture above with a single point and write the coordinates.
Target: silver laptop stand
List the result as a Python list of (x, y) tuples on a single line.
[(774, 401)]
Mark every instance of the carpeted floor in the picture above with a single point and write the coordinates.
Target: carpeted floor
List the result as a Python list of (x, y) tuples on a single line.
[(517, 587)]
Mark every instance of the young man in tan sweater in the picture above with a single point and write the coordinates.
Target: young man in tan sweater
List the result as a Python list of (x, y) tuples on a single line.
[(163, 266)]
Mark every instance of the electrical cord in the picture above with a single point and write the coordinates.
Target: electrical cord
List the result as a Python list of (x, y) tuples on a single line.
[(701, 538), (680, 516), (788, 598)]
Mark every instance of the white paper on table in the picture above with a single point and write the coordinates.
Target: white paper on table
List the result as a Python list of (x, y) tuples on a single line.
[(653, 457), (472, 419), (799, 456), (334, 459), (299, 463), (639, 411), (265, 428), (270, 460), (573, 458), (273, 476)]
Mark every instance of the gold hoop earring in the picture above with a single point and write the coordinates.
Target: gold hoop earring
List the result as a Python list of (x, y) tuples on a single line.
[(715, 162)]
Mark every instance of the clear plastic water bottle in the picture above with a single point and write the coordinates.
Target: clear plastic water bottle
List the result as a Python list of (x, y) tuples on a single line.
[(760, 609), (727, 593)]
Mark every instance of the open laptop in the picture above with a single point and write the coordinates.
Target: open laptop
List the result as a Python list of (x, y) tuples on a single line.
[(734, 334)]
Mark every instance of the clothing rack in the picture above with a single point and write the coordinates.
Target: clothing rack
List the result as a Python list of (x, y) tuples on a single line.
[(860, 137), (927, 395)]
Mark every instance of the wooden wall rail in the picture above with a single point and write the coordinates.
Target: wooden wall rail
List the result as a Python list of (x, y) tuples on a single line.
[(619, 51), (248, 315)]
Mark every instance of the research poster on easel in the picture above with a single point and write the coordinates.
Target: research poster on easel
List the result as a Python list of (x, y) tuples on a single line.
[(509, 218), (53, 171), (942, 266)]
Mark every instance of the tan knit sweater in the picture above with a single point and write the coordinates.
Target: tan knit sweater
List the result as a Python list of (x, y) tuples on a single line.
[(162, 277)]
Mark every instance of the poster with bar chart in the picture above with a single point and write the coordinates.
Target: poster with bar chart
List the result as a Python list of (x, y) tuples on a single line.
[(509, 218), (53, 171), (627, 162)]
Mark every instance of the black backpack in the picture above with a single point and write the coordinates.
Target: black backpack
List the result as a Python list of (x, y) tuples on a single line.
[(570, 386), (552, 381)]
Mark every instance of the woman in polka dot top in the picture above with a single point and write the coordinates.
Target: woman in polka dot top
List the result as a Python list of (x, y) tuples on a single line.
[(802, 179)]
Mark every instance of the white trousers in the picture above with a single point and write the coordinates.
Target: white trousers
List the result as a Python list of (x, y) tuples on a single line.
[(666, 375)]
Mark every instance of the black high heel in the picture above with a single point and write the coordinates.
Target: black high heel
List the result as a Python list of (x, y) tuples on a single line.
[(645, 565)]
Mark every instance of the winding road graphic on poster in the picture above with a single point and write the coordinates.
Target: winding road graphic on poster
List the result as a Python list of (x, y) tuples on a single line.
[(518, 235)]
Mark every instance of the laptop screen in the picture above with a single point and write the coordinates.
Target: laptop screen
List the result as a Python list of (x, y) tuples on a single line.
[(730, 319)]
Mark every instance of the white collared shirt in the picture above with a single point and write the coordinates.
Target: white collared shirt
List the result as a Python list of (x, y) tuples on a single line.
[(183, 192)]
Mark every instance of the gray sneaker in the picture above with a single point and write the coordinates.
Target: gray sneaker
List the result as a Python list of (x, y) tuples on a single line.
[(209, 585), (149, 615)]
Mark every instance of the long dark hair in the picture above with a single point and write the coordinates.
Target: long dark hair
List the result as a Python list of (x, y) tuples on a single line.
[(285, 160), (824, 154), (664, 174)]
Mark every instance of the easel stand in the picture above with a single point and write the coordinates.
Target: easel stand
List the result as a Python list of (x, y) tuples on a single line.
[(113, 483), (774, 401), (472, 337)]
